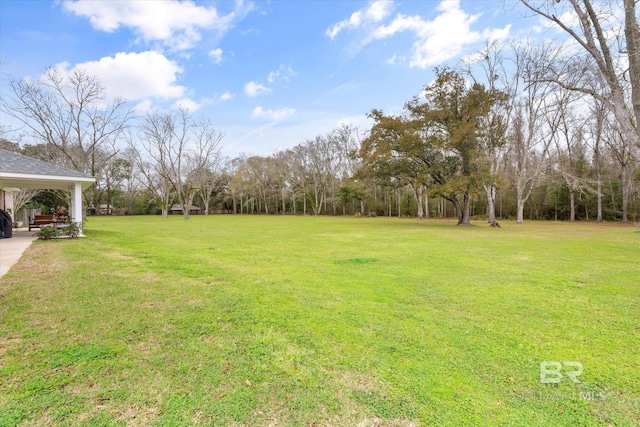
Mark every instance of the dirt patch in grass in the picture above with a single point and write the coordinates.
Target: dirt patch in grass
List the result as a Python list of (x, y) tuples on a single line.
[(359, 381), (378, 422), (147, 347), (118, 255), (40, 260), (135, 416)]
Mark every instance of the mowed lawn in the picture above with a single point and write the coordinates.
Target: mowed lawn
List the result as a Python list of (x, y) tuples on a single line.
[(322, 321)]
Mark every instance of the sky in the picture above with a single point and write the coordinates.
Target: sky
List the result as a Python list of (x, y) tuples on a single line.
[(268, 74)]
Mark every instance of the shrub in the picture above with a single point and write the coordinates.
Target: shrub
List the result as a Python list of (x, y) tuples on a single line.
[(72, 230), (47, 232)]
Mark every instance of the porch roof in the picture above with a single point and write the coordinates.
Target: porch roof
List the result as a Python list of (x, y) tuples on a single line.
[(18, 171)]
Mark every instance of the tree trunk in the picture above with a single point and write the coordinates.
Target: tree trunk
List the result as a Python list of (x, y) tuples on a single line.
[(586, 211), (186, 206), (426, 206), (417, 193), (599, 218), (284, 206), (491, 203), (520, 210), (625, 195), (458, 210), (522, 195), (165, 207), (465, 216), (572, 204)]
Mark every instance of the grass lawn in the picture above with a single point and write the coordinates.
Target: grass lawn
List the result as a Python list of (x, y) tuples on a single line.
[(322, 321)]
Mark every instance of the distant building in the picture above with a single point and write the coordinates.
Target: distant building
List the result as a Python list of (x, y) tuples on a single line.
[(177, 209)]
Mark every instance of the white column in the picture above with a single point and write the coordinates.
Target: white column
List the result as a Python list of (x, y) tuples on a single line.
[(8, 203), (8, 200), (76, 205)]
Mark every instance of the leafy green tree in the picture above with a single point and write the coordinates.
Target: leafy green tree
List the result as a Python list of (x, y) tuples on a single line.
[(396, 151), (454, 117)]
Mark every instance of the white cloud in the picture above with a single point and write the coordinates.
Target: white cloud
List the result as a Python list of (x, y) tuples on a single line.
[(275, 115), (442, 38), (254, 89), (435, 41), (284, 72), (135, 76), (392, 59), (187, 104), (497, 34), (376, 11), (143, 107), (227, 96), (353, 22), (216, 55), (176, 23)]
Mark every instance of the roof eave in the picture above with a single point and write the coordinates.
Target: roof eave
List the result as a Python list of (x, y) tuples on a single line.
[(22, 180)]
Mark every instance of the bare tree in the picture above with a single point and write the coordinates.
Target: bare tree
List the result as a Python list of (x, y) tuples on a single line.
[(596, 129), (132, 178), (71, 113), (204, 161), (610, 45), (622, 151), (491, 60), (569, 142), (531, 126), (167, 140), (240, 186), (22, 197), (151, 159), (283, 176), (319, 160), (261, 173)]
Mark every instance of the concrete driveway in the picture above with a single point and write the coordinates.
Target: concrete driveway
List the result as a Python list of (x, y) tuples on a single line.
[(11, 249)]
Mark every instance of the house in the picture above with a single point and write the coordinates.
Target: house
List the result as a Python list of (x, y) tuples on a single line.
[(177, 209), (18, 171)]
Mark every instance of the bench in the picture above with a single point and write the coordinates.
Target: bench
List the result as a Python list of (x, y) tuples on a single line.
[(41, 220)]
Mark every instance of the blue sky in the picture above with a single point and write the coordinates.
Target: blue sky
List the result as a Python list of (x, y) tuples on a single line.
[(269, 74)]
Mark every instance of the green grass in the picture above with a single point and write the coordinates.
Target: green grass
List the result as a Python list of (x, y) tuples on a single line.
[(321, 321)]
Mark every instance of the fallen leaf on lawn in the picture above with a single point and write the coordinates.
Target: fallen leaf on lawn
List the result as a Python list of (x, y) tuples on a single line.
[(247, 382)]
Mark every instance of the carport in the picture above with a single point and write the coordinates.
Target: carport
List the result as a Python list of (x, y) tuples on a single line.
[(18, 171)]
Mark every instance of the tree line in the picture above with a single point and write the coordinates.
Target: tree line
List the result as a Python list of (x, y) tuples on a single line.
[(518, 130)]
